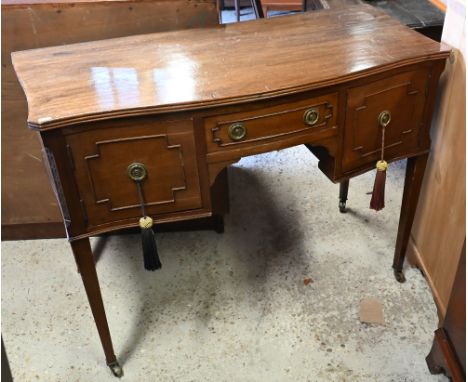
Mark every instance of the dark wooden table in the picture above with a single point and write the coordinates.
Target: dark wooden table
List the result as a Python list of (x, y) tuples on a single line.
[(184, 105)]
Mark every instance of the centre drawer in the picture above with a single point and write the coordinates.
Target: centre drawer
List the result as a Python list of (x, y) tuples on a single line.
[(250, 129)]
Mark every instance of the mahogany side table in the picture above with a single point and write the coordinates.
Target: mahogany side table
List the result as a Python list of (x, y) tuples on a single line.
[(181, 106)]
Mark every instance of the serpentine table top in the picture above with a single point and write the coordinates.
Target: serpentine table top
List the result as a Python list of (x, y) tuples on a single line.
[(197, 68)]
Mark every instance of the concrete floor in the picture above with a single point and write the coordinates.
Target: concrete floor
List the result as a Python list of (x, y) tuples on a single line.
[(233, 306)]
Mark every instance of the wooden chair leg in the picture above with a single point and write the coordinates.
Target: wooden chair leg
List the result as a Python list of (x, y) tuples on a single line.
[(220, 5), (258, 10), (344, 186), (85, 260)]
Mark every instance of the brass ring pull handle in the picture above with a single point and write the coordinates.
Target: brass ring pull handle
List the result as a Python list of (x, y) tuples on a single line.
[(237, 131), (311, 116), (137, 171), (384, 118)]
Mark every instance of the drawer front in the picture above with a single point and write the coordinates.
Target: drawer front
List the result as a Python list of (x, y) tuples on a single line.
[(402, 95), (101, 157), (240, 131)]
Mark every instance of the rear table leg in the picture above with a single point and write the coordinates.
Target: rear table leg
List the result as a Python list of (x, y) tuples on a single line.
[(343, 195)]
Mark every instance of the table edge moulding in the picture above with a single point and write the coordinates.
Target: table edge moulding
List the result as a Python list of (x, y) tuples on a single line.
[(145, 126)]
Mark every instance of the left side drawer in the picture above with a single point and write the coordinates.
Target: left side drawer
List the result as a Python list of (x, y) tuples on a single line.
[(101, 154)]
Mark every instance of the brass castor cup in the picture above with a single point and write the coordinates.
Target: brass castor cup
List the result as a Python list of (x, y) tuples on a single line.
[(399, 275), (116, 369), (342, 207)]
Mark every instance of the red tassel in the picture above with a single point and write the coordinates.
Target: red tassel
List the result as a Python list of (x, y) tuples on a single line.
[(378, 194)]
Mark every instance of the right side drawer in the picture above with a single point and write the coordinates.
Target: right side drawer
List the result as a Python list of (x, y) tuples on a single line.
[(403, 96)]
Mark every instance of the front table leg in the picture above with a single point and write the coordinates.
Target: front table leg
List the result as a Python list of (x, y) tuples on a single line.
[(415, 168), (85, 260)]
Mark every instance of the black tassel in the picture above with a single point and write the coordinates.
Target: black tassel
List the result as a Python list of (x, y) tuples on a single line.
[(148, 241)]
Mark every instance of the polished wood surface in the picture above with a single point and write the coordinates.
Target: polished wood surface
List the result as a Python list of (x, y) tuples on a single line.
[(28, 24), (169, 72), (320, 79)]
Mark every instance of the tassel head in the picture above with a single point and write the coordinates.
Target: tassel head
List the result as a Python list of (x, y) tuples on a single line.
[(378, 193), (381, 165), (145, 222), (148, 241)]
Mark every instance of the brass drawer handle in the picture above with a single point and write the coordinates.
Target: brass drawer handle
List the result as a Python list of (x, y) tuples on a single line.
[(237, 131), (137, 171), (311, 116), (384, 118)]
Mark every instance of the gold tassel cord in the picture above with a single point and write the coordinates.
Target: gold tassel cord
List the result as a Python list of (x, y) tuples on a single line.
[(137, 172)]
